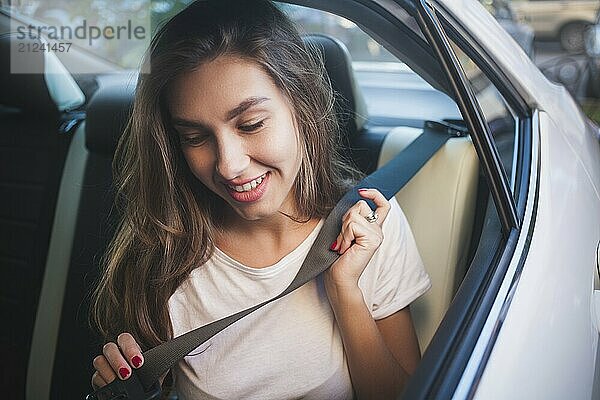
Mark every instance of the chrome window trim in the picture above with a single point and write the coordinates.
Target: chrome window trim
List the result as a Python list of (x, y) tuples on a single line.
[(467, 385)]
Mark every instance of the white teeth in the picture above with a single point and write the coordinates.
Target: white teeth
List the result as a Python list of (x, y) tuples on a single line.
[(248, 186)]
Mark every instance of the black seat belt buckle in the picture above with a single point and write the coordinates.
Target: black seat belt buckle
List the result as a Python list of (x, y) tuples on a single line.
[(129, 389), (447, 127)]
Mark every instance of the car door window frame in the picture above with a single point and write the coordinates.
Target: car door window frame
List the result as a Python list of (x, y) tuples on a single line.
[(509, 92), (468, 312), (472, 114)]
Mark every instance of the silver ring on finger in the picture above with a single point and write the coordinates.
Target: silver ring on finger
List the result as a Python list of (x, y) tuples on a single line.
[(372, 217)]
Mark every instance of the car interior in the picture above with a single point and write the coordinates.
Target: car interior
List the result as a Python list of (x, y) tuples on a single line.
[(58, 215)]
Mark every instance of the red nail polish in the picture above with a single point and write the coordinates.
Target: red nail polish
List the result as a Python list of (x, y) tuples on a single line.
[(362, 190), (124, 372), (334, 244), (136, 361)]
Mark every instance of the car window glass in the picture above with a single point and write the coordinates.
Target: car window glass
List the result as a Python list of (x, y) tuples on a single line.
[(385, 81), (500, 118), (362, 48)]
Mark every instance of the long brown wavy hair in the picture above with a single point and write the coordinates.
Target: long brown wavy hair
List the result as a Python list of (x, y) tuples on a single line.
[(169, 218)]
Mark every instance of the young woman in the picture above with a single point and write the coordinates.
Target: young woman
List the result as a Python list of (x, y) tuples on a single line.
[(225, 175)]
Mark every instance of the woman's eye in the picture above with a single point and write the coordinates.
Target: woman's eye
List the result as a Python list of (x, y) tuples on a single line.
[(252, 127), (193, 140)]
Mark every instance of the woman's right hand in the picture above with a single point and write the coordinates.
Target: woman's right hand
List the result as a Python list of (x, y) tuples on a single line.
[(117, 360)]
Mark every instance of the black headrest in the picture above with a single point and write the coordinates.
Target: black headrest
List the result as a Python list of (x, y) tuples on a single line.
[(339, 68), (24, 91), (108, 111), (106, 116)]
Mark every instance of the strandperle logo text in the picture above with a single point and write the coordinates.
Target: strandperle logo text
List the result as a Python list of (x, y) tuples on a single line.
[(82, 31)]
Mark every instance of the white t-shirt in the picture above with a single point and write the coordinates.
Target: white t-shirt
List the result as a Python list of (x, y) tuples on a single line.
[(290, 348)]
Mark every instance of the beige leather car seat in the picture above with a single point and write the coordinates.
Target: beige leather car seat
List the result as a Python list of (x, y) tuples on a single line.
[(439, 203)]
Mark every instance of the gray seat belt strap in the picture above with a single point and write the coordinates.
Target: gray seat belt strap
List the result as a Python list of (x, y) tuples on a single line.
[(389, 180)]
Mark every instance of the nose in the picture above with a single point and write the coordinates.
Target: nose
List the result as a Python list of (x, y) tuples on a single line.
[(232, 156)]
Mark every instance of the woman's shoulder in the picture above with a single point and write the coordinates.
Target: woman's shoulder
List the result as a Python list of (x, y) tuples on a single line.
[(396, 219)]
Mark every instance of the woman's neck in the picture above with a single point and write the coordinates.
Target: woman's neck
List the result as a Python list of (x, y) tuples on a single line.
[(263, 242), (275, 226)]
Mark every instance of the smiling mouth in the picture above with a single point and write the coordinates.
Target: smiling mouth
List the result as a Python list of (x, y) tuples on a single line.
[(251, 191), (249, 186)]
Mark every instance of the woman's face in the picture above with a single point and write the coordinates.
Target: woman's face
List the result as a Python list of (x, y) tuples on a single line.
[(238, 135)]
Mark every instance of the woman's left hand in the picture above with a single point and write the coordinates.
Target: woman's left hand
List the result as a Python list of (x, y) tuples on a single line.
[(357, 241)]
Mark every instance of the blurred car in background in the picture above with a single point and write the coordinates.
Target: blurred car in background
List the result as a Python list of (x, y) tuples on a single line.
[(562, 20), (503, 12), (592, 50)]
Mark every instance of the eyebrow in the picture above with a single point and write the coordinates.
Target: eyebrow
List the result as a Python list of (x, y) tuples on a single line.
[(239, 109), (244, 105)]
